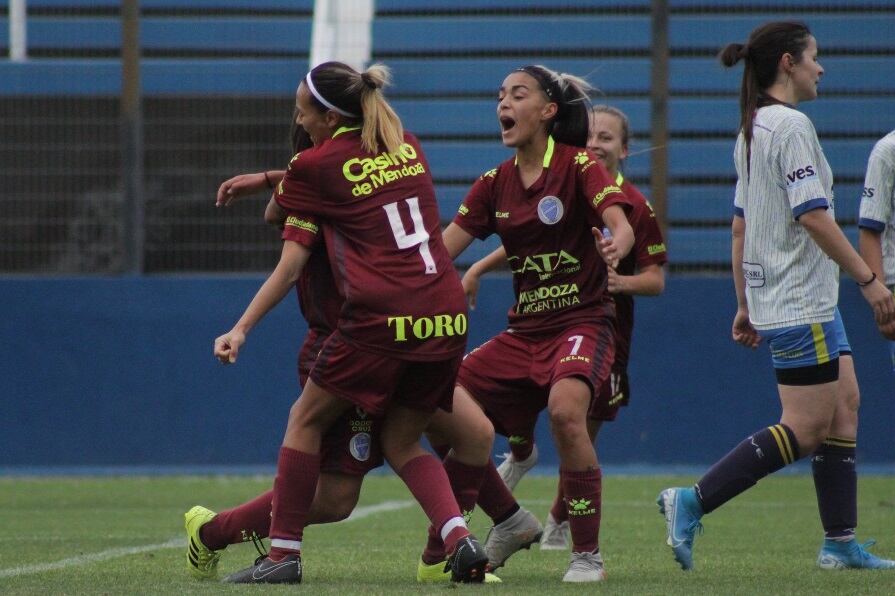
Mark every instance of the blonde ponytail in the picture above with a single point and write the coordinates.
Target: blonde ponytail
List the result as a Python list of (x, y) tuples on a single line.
[(381, 123)]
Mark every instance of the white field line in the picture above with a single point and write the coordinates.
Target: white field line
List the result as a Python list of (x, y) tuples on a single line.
[(82, 560), (368, 510), (114, 553)]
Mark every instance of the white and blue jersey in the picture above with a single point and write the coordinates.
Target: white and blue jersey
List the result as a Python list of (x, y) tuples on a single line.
[(790, 281), (878, 206)]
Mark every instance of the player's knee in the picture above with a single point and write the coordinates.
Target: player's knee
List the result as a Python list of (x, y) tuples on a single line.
[(851, 398), (567, 425), (478, 439), (341, 511), (299, 416), (811, 433)]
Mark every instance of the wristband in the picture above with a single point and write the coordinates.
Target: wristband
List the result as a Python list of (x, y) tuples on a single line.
[(270, 185), (868, 282)]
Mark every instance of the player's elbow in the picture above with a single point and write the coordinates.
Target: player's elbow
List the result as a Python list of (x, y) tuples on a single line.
[(659, 283), (274, 214), (655, 281)]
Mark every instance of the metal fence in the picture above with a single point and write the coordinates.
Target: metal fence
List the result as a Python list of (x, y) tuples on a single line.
[(218, 78)]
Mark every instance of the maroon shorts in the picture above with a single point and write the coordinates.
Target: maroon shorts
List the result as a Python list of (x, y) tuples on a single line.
[(373, 381), (614, 394), (351, 445), (308, 354), (511, 376)]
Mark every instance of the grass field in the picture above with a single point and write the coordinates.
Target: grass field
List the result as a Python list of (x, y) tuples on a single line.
[(125, 536)]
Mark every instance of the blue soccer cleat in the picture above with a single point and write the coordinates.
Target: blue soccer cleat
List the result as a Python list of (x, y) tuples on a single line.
[(850, 555), (682, 512)]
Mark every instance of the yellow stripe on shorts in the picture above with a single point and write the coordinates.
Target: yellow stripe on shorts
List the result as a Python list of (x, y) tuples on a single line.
[(783, 445), (820, 345)]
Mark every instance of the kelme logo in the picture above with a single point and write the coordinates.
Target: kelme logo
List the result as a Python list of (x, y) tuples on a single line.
[(581, 507)]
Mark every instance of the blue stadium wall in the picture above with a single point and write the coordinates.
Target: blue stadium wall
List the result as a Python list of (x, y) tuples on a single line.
[(119, 371)]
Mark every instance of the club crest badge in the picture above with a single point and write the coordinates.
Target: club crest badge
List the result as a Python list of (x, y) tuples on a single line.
[(360, 446), (550, 210)]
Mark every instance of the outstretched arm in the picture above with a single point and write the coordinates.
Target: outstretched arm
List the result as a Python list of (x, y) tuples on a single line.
[(245, 184), (648, 281), (474, 274), (616, 247), (456, 240), (292, 261)]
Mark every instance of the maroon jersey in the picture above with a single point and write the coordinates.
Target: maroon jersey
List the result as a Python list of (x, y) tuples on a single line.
[(402, 294), (648, 249), (559, 279), (318, 297)]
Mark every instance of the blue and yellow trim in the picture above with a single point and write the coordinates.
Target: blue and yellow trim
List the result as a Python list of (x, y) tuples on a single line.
[(820, 343)]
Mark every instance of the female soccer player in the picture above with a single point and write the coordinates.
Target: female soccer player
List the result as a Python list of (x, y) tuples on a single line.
[(787, 251), (877, 220), (349, 449), (543, 203), (401, 333), (641, 273), (351, 446)]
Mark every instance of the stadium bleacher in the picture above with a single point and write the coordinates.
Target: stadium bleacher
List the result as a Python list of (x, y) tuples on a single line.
[(448, 58)]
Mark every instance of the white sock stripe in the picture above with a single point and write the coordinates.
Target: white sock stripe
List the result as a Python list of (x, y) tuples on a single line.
[(454, 522), (290, 544)]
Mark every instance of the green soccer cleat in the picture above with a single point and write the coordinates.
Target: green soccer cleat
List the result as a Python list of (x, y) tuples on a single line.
[(440, 573), (201, 561)]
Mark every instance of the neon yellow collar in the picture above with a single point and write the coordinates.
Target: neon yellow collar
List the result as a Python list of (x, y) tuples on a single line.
[(344, 129), (548, 154)]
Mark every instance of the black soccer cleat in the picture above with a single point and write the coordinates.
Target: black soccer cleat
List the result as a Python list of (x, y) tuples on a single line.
[(468, 561), (266, 571)]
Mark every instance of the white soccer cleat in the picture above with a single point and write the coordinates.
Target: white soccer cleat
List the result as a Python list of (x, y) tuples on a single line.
[(556, 535), (512, 471), (520, 531), (585, 567)]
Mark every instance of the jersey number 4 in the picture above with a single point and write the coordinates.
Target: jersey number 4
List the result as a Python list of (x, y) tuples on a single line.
[(419, 236)]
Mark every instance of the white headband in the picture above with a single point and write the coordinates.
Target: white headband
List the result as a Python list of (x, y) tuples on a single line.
[(320, 98)]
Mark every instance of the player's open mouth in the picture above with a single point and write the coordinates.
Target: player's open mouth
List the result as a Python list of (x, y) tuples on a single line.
[(506, 123)]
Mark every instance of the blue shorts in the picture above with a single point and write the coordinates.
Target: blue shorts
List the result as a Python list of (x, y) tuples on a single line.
[(807, 345), (892, 348)]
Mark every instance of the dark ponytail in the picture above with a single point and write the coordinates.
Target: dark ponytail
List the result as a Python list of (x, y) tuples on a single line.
[(761, 54), (572, 96)]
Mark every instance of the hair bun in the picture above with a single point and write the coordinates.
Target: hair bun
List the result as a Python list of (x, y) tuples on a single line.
[(733, 53), (369, 80)]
